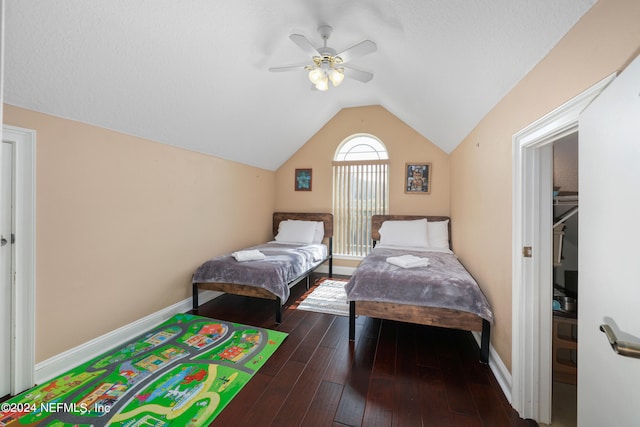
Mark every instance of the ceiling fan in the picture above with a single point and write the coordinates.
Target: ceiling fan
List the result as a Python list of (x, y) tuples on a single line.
[(327, 64)]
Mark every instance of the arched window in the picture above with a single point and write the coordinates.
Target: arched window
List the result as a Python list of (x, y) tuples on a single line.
[(360, 190), (361, 147)]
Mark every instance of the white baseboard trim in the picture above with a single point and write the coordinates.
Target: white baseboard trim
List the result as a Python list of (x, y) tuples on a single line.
[(59, 364), (497, 366)]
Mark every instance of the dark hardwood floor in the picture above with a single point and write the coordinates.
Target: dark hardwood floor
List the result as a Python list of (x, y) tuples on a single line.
[(394, 374)]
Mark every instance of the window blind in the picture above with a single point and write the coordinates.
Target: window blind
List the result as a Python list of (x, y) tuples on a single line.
[(360, 190)]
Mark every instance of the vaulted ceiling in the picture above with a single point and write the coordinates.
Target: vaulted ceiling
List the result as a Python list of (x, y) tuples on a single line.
[(194, 73)]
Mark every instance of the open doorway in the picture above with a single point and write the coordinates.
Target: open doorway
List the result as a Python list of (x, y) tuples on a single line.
[(531, 370), (565, 281)]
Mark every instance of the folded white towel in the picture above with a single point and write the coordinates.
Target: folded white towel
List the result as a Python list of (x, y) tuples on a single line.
[(408, 261), (248, 255)]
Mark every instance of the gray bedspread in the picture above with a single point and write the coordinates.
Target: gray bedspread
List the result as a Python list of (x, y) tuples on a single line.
[(444, 283), (283, 263)]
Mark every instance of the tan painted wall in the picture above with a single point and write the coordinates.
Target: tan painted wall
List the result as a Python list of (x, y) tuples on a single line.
[(123, 222), (604, 41), (403, 144)]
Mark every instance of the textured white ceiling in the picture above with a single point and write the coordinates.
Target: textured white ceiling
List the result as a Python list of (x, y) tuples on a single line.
[(193, 73)]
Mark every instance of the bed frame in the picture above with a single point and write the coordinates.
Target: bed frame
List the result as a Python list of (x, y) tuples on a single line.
[(432, 316), (256, 292)]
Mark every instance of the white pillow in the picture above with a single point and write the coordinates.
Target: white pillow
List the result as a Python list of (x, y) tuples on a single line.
[(294, 231), (438, 232), (411, 233), (319, 233)]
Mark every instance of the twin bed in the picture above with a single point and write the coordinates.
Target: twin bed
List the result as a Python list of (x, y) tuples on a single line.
[(303, 241), (435, 290), (441, 293)]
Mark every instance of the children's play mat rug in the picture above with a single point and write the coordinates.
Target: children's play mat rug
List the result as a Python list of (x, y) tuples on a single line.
[(182, 373)]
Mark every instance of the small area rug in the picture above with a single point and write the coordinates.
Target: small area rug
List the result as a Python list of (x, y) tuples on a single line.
[(328, 296), (183, 372)]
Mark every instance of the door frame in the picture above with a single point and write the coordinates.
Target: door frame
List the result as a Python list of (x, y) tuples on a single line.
[(531, 373), (24, 257)]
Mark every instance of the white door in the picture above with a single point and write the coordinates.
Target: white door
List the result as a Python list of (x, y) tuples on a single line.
[(22, 184), (6, 256), (609, 253)]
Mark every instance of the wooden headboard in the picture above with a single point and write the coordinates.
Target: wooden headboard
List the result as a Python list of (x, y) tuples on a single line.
[(377, 220), (327, 218)]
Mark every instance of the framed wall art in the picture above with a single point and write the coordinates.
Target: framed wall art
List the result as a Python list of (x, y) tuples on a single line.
[(417, 178), (303, 180)]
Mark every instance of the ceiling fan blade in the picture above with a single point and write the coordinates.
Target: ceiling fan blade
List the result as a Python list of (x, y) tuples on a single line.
[(304, 44), (288, 68), (357, 74), (360, 49)]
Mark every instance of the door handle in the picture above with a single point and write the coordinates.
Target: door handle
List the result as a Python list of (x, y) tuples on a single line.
[(3, 241), (623, 348)]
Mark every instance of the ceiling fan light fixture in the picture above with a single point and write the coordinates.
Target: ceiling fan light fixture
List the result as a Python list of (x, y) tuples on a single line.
[(316, 75), (327, 64), (323, 84), (336, 75)]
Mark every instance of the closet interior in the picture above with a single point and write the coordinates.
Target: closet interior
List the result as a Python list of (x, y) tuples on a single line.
[(565, 280)]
